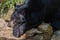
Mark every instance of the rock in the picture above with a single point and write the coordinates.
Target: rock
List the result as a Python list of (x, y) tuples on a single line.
[(56, 35), (47, 30), (43, 32), (33, 31), (36, 37), (34, 34)]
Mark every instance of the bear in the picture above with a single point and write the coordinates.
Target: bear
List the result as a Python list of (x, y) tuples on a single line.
[(33, 12)]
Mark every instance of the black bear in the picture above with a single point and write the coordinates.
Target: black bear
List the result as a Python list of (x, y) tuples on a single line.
[(33, 12)]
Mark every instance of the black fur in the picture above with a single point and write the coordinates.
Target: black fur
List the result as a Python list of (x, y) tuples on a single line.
[(33, 12)]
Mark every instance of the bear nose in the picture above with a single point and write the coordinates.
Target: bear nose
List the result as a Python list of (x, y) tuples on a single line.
[(10, 24)]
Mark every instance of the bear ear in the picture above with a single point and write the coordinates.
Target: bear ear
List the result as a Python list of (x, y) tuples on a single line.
[(15, 5)]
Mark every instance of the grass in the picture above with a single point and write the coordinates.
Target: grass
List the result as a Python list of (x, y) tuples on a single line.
[(5, 5)]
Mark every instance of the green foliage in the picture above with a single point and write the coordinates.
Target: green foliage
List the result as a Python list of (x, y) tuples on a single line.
[(8, 4)]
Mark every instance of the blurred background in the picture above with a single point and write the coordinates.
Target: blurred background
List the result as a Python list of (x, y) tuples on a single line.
[(7, 7)]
